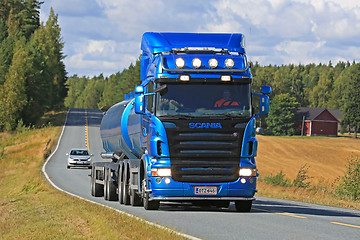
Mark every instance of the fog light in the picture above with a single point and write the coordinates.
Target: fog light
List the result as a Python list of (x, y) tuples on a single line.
[(167, 180), (243, 180), (158, 180)]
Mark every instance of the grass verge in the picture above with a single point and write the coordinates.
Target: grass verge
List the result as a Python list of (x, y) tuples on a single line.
[(31, 209)]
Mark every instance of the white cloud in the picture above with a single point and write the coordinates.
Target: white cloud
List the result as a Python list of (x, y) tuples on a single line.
[(105, 35)]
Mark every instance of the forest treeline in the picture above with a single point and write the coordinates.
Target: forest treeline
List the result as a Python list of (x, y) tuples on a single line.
[(32, 72), (311, 85), (100, 91)]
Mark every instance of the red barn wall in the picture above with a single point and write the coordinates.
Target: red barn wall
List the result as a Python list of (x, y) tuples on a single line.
[(324, 125)]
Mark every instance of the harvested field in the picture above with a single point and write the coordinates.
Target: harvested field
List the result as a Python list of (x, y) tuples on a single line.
[(326, 157)]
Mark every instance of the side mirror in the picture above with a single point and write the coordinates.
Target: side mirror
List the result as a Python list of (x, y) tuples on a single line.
[(139, 100), (266, 90), (264, 105), (139, 104), (264, 100)]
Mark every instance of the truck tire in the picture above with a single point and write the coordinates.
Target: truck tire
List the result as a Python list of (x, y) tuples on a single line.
[(111, 188), (97, 189), (148, 205), (126, 195), (135, 200), (121, 187), (243, 206), (105, 185)]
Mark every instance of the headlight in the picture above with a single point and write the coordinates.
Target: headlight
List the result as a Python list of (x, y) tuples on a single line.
[(229, 63), (161, 172), (180, 63), (247, 172), (213, 63), (196, 63)]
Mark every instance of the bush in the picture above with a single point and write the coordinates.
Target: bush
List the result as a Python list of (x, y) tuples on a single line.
[(301, 178), (278, 179), (350, 182)]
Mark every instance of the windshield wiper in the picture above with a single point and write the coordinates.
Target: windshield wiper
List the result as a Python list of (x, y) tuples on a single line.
[(178, 116), (224, 115)]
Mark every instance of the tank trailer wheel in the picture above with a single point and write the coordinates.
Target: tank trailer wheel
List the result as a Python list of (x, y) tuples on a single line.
[(105, 185), (111, 188), (97, 190)]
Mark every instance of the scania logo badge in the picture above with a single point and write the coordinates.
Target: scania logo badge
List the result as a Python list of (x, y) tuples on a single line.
[(205, 125)]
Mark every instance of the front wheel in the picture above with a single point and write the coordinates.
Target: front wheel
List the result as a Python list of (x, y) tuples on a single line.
[(148, 205), (243, 206)]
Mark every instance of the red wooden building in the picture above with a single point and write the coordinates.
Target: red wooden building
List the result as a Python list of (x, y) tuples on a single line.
[(318, 121)]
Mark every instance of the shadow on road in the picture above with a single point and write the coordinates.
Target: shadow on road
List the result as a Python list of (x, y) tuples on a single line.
[(263, 206), (293, 208)]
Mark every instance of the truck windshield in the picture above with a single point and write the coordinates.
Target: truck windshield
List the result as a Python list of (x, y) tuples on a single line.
[(203, 100)]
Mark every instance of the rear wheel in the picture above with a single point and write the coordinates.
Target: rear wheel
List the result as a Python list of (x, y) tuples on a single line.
[(111, 188), (126, 195), (243, 206), (121, 188), (135, 200)]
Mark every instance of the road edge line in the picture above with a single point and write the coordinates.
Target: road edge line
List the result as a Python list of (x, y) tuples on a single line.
[(117, 210)]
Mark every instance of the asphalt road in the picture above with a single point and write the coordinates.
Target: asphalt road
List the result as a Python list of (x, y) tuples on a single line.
[(269, 218)]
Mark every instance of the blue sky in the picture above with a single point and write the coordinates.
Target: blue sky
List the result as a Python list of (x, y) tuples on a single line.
[(103, 36)]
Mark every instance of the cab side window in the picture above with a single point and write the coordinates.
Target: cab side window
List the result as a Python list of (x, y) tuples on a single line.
[(150, 98)]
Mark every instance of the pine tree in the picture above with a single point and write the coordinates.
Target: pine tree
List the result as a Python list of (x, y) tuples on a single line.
[(282, 116), (50, 44), (352, 103), (13, 96)]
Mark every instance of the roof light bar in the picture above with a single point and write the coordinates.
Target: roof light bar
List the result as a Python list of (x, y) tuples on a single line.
[(229, 63), (196, 62), (180, 63), (213, 63)]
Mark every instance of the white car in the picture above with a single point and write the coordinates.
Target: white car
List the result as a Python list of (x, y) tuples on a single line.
[(79, 158)]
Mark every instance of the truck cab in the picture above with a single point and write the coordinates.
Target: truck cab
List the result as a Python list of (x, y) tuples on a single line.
[(198, 122)]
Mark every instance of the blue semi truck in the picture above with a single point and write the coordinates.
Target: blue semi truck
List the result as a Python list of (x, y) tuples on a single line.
[(187, 133)]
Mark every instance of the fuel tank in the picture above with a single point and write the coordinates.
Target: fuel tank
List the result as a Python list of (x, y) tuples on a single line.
[(120, 130)]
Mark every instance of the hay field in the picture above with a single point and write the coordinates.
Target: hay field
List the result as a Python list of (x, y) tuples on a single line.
[(326, 157)]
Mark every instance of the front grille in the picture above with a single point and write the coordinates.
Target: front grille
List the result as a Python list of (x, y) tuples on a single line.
[(204, 155)]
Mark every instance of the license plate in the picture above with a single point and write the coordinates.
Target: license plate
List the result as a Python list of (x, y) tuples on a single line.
[(205, 190)]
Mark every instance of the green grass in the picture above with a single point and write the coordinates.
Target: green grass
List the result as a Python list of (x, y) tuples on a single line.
[(31, 209)]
